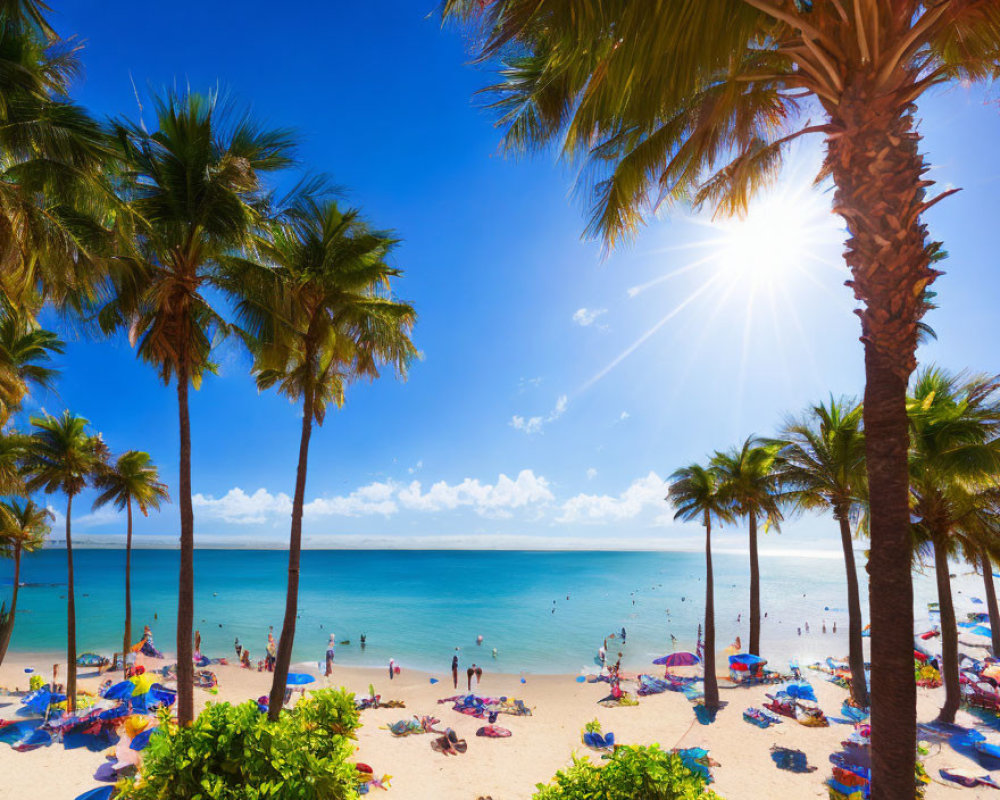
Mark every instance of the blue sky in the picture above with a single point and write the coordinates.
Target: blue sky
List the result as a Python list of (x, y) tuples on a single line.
[(558, 388)]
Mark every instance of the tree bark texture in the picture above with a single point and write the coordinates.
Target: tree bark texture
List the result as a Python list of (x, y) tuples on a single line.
[(185, 598), (70, 614), (856, 657), (127, 641), (991, 601), (754, 647), (949, 635), (287, 640), (711, 680)]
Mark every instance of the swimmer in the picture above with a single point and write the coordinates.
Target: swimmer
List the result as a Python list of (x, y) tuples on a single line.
[(494, 652), (479, 639)]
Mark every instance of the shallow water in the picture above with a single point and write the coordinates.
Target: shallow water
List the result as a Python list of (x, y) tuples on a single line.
[(417, 606)]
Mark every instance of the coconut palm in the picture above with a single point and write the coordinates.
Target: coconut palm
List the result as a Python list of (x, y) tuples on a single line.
[(748, 482), (132, 478), (25, 352), (822, 467), (23, 528), (321, 318), (193, 187), (63, 456), (53, 196), (667, 101), (694, 492), (954, 426), (984, 562)]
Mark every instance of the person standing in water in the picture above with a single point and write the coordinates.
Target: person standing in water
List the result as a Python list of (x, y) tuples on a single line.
[(363, 641), (454, 671)]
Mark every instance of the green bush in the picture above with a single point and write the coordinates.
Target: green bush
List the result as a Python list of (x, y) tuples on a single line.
[(628, 773), (234, 753)]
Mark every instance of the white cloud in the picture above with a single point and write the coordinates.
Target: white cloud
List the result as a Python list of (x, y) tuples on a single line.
[(623, 416), (535, 424), (418, 466), (485, 499), (586, 317), (529, 425), (102, 516), (642, 494), (240, 508), (375, 498), (591, 474)]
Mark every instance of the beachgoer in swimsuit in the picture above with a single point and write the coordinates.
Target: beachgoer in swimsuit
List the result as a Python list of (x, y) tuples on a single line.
[(329, 656), (454, 670), (272, 652), (238, 646), (479, 675), (197, 643), (245, 659), (362, 641), (468, 674), (392, 668)]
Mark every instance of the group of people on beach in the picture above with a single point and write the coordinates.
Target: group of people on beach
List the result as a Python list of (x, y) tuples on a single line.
[(243, 653)]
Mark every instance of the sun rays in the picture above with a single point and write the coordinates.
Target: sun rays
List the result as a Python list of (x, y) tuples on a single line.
[(743, 272)]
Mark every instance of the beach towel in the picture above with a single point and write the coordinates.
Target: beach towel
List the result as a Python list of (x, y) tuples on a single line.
[(493, 732), (599, 741), (964, 777)]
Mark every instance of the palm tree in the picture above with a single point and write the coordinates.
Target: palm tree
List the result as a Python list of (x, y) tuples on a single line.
[(821, 465), (193, 188), (670, 101), (749, 484), (694, 492), (322, 317), (985, 563), (62, 456), (132, 478), (23, 527), (54, 198), (25, 350), (954, 425)]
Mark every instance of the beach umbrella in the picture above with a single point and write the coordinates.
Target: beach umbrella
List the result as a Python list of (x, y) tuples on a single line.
[(120, 691), (982, 630), (678, 660), (299, 679), (141, 683)]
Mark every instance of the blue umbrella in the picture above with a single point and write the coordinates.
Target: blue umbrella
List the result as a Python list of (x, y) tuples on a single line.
[(120, 691), (982, 630), (299, 679), (678, 660)]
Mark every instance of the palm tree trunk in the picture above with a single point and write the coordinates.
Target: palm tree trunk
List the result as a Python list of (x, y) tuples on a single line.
[(127, 641), (70, 614), (8, 624), (949, 634), (754, 590), (991, 601), (879, 173), (711, 680), (284, 658), (185, 598), (856, 652)]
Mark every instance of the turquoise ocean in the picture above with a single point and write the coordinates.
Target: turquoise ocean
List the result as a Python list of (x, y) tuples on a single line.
[(544, 612)]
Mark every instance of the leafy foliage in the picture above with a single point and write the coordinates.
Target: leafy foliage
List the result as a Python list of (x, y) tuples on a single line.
[(630, 772), (234, 753)]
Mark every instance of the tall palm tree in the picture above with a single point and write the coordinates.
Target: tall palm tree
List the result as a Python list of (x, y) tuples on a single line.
[(54, 198), (694, 493), (954, 426), (193, 188), (748, 482), (63, 456), (25, 352), (23, 528), (667, 101), (321, 318), (822, 466), (133, 478)]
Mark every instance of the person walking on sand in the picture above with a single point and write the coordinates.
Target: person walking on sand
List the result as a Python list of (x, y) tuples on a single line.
[(392, 668), (468, 675), (329, 656), (454, 670), (479, 676), (197, 643)]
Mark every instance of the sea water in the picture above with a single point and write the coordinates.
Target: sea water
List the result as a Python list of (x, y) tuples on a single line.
[(543, 612)]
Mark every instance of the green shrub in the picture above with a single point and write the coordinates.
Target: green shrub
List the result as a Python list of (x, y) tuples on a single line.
[(628, 773), (234, 753)]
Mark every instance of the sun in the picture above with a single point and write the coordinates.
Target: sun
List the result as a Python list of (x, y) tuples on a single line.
[(775, 238)]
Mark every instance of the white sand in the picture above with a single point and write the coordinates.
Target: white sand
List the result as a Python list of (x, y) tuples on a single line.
[(507, 769)]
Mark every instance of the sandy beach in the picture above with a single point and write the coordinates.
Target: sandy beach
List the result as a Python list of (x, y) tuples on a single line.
[(508, 769)]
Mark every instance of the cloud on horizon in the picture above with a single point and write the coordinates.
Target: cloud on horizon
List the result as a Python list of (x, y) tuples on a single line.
[(501, 499)]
